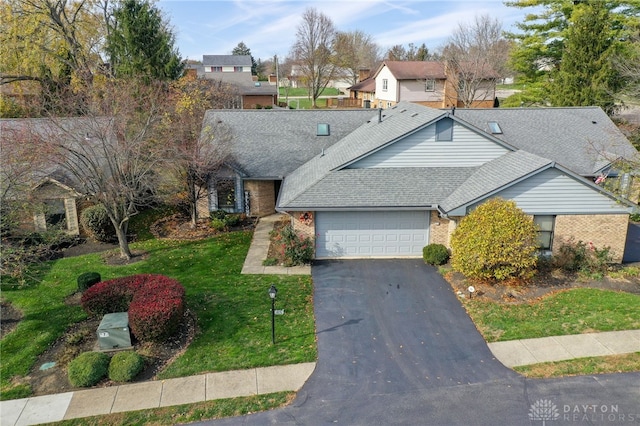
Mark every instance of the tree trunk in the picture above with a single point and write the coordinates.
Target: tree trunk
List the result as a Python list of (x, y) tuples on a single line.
[(121, 233), (193, 199)]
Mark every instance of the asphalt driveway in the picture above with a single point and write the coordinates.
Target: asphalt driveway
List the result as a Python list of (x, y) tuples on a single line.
[(396, 347)]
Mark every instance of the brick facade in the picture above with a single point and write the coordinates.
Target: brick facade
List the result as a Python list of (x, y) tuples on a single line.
[(262, 197), (252, 101), (600, 230), (304, 223), (438, 229)]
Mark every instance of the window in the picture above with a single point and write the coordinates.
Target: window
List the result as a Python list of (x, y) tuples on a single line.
[(545, 232), (216, 69), (444, 129), (385, 84), (237, 69), (322, 130), (226, 195), (430, 85)]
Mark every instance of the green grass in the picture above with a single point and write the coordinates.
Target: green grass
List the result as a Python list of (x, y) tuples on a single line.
[(306, 103), (568, 312), (581, 366), (303, 91), (188, 413), (233, 310)]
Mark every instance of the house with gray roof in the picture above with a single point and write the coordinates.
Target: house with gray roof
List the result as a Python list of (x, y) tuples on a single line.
[(235, 70), (49, 196), (405, 176)]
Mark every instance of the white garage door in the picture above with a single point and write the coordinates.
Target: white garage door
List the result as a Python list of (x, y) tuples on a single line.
[(371, 234)]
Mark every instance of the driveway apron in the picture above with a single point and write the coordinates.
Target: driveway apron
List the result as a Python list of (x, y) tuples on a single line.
[(395, 346), (388, 326)]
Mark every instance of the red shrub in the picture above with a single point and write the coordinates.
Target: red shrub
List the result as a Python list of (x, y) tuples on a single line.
[(155, 303)]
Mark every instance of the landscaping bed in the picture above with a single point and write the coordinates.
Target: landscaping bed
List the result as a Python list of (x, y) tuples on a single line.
[(227, 322)]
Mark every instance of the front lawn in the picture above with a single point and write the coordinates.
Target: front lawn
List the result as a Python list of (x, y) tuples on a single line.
[(575, 311), (232, 310), (590, 365)]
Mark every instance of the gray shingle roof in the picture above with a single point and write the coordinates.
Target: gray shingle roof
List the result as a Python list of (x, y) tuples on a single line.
[(396, 123), (227, 60), (380, 188), (574, 137), (273, 143), (494, 175), (73, 131)]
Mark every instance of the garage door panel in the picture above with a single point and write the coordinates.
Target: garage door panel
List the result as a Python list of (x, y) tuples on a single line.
[(371, 234)]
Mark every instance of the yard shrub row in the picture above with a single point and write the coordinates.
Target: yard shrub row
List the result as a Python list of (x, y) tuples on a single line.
[(155, 303), (90, 367)]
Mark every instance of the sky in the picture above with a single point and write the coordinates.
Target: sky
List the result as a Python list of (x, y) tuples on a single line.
[(268, 27)]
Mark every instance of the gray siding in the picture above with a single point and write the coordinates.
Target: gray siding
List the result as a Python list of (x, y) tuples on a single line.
[(553, 192), (467, 149)]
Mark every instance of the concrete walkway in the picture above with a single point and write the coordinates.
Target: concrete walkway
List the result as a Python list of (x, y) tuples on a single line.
[(260, 248), (154, 394), (514, 353)]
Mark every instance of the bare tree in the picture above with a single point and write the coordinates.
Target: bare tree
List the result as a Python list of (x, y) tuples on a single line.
[(476, 55), (313, 51), (117, 156), (355, 51), (22, 156), (197, 152)]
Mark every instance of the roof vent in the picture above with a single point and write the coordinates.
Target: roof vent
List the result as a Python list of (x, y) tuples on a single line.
[(494, 127), (257, 84), (323, 129), (414, 114)]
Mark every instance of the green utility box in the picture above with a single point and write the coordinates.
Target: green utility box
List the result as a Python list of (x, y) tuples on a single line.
[(113, 331)]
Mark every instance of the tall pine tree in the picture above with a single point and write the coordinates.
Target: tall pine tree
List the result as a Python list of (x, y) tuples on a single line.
[(140, 43), (586, 75)]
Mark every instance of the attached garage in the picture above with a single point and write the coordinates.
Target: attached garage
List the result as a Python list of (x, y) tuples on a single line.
[(358, 234)]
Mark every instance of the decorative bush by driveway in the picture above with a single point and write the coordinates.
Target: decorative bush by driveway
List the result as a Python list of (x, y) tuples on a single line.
[(155, 303)]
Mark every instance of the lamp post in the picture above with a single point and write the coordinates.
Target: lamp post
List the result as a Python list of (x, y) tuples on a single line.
[(273, 291)]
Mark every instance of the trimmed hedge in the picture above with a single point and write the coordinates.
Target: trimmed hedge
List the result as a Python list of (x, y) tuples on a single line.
[(155, 303), (88, 369), (87, 280), (435, 254), (96, 223), (125, 366)]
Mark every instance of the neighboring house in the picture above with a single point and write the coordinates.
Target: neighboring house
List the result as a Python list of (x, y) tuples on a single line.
[(408, 174), (428, 83), (52, 197), (365, 91), (236, 70)]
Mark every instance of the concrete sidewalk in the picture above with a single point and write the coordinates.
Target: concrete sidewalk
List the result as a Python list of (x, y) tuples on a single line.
[(259, 250), (154, 394), (514, 353)]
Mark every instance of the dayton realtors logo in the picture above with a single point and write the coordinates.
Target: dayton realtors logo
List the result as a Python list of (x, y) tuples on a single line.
[(545, 410)]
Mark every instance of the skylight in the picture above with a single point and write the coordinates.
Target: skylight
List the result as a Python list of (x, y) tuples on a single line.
[(323, 129), (494, 127)]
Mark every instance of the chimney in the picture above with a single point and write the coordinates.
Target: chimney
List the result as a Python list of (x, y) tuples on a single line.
[(379, 115), (363, 74)]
